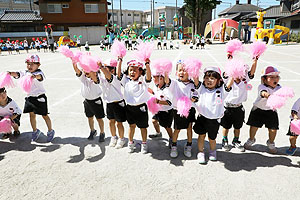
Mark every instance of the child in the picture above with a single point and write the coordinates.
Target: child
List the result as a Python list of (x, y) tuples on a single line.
[(165, 116), (171, 44), (9, 47), (78, 43), (136, 95), (37, 45), (261, 114), (165, 43), (295, 115), (234, 114), (179, 88), (115, 107), (45, 46), (177, 45), (36, 100), (159, 43), (210, 106), (202, 42), (26, 45), (130, 44), (197, 42), (9, 108), (93, 104), (17, 47), (86, 46), (191, 44)]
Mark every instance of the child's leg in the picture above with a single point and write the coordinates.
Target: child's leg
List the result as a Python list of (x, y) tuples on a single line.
[(212, 144), (131, 132), (120, 129), (16, 127), (156, 125), (32, 117), (101, 125), (48, 122), (237, 133), (189, 133), (252, 132), (144, 134), (91, 123), (201, 139), (175, 135), (293, 141), (225, 133), (170, 132), (112, 127), (272, 135)]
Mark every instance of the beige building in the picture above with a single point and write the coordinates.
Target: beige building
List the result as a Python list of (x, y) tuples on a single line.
[(17, 5), (129, 17), (167, 11)]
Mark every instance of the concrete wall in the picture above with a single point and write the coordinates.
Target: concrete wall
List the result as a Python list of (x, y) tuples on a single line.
[(92, 34)]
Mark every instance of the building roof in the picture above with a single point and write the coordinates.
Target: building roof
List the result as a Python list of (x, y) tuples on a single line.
[(20, 16), (239, 8), (271, 12)]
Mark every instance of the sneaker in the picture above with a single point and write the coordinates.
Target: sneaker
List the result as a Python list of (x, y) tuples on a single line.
[(50, 135), (212, 155), (249, 143), (144, 148), (35, 135), (155, 135), (131, 147), (271, 147), (174, 152), (113, 141), (201, 158), (17, 133), (291, 151), (92, 135), (5, 136), (101, 137), (120, 143), (225, 145), (237, 144), (187, 151)]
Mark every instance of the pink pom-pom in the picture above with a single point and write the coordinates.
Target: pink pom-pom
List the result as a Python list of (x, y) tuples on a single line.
[(161, 66), (236, 68), (153, 106), (6, 80), (285, 92), (5, 125), (184, 105), (295, 127), (66, 51), (233, 46), (76, 56), (118, 49), (144, 51), (25, 83), (84, 62), (257, 49), (93, 63), (275, 102), (192, 67)]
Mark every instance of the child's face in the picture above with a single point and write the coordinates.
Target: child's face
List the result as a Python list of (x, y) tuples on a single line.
[(134, 73), (159, 81), (210, 82), (3, 96), (272, 80), (32, 67), (181, 73)]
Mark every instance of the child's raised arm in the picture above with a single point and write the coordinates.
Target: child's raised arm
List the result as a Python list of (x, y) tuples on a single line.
[(148, 71), (253, 68), (264, 94), (230, 82), (119, 67), (106, 73), (77, 71), (167, 79), (14, 74)]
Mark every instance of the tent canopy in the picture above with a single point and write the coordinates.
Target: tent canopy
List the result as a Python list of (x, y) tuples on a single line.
[(214, 26)]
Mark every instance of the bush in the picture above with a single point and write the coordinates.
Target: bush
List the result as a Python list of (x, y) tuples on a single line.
[(295, 37)]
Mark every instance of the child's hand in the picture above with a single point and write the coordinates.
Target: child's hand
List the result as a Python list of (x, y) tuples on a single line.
[(150, 91), (100, 65)]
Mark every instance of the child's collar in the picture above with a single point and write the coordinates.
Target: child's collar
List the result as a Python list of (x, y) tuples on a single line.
[(270, 86)]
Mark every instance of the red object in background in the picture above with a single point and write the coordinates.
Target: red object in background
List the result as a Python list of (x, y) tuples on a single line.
[(45, 27), (8, 39), (13, 42), (33, 39), (17, 40), (1, 41), (21, 43), (44, 39), (37, 38), (49, 26)]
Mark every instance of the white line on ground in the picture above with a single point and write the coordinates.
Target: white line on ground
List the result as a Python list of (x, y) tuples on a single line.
[(66, 98)]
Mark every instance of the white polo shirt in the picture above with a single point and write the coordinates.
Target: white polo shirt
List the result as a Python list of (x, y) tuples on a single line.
[(211, 101), (89, 89), (37, 87), (135, 92), (111, 89), (10, 108), (296, 108), (261, 102), (163, 94)]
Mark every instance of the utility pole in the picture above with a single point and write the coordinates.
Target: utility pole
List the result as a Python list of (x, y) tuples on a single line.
[(30, 4), (153, 14), (121, 12), (112, 10), (257, 3)]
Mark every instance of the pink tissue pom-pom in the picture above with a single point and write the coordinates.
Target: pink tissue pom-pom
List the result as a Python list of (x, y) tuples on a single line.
[(295, 127), (25, 83), (184, 105), (76, 56), (153, 106), (118, 49), (257, 49), (234, 45), (193, 66), (84, 63), (66, 51), (5, 125), (236, 68), (144, 51), (275, 102), (161, 66), (285, 92), (6, 80)]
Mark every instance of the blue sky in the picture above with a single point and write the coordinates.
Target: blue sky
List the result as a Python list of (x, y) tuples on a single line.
[(145, 4)]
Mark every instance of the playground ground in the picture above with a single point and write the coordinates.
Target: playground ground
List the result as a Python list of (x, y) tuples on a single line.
[(72, 167)]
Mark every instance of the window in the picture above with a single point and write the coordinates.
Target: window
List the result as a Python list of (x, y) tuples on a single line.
[(65, 6), (114, 14), (129, 15), (91, 8), (136, 15), (21, 1), (54, 8), (295, 24)]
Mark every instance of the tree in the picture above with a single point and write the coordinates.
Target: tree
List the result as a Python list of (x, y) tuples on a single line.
[(195, 10)]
